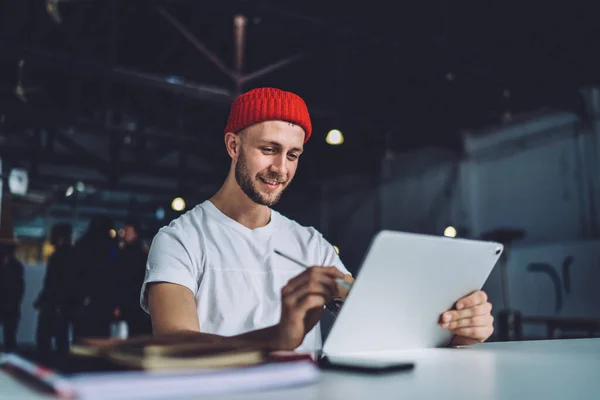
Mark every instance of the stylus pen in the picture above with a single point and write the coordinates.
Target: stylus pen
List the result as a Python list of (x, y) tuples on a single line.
[(339, 281)]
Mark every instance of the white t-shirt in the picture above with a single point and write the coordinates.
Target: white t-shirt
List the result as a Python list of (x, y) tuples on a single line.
[(232, 270)]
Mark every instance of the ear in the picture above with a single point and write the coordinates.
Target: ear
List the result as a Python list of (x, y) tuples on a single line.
[(232, 144)]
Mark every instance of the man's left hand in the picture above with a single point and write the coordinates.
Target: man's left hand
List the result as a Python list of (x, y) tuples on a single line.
[(471, 320)]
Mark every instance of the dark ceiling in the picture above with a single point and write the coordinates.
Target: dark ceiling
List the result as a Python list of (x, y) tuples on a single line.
[(126, 94)]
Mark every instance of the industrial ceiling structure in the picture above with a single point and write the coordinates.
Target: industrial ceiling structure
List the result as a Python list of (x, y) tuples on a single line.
[(125, 101)]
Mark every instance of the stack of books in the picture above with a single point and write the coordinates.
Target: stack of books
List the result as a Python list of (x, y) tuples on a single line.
[(173, 352), (164, 367)]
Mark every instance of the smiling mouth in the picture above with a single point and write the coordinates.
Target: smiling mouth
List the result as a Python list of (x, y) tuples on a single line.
[(271, 182)]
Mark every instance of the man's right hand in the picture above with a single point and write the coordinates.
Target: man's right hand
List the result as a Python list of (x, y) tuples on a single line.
[(302, 303)]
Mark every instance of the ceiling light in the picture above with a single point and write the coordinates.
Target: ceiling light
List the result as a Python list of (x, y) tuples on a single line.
[(334, 137), (178, 204), (450, 232), (52, 9)]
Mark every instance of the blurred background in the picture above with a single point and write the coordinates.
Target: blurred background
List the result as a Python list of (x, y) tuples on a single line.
[(468, 119)]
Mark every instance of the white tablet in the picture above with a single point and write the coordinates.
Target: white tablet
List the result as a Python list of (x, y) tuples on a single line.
[(405, 283)]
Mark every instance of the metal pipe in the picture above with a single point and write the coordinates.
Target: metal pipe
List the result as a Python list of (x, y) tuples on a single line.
[(239, 23), (271, 67), (197, 43)]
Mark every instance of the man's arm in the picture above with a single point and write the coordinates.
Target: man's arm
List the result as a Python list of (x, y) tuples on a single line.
[(173, 310)]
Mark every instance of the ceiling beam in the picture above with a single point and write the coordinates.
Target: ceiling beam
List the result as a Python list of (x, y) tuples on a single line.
[(91, 68), (18, 154), (157, 191), (212, 94)]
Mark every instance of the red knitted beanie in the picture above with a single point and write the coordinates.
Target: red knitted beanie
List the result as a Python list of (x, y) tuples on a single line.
[(266, 104)]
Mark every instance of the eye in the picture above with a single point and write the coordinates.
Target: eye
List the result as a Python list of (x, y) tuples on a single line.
[(293, 156), (267, 150)]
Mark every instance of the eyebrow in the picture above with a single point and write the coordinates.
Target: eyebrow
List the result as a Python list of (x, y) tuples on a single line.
[(277, 144)]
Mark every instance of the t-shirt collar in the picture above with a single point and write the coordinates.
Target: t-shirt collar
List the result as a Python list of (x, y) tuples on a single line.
[(223, 218)]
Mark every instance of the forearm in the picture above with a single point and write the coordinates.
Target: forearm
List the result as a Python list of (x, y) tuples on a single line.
[(266, 338), (174, 310)]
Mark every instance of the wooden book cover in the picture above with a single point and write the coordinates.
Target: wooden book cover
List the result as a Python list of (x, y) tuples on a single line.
[(178, 351)]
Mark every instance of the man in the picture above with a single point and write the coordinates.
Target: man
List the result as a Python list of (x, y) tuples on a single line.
[(215, 270), (131, 267), (56, 302), (12, 282), (96, 257), (12, 287)]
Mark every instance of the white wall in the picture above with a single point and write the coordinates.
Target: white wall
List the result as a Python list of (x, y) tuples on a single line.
[(535, 293), (534, 181), (536, 175), (421, 195), (540, 174)]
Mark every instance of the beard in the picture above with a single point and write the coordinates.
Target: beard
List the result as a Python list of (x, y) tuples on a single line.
[(249, 186)]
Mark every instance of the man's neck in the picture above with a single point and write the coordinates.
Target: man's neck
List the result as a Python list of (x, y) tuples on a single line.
[(234, 203)]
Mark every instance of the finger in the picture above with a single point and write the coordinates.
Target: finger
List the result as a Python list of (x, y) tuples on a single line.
[(314, 272), (294, 283), (315, 281), (454, 315), (310, 302), (472, 300), (333, 272), (464, 341), (324, 289), (480, 333), (480, 320)]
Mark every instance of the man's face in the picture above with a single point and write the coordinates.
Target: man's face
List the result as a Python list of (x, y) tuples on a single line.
[(129, 234), (267, 160)]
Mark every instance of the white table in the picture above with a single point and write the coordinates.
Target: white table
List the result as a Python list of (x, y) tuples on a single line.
[(556, 369)]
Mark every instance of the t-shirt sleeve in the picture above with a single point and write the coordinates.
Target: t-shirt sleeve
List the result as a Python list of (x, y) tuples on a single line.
[(169, 261), (330, 256)]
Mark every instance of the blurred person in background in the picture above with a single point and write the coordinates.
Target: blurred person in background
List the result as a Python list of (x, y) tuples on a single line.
[(12, 287), (56, 301), (96, 257), (131, 269), (12, 283)]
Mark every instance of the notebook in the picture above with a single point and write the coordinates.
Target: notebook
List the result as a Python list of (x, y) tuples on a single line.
[(91, 378), (173, 352)]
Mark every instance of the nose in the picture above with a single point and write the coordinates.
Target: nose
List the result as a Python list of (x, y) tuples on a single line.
[(279, 165)]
